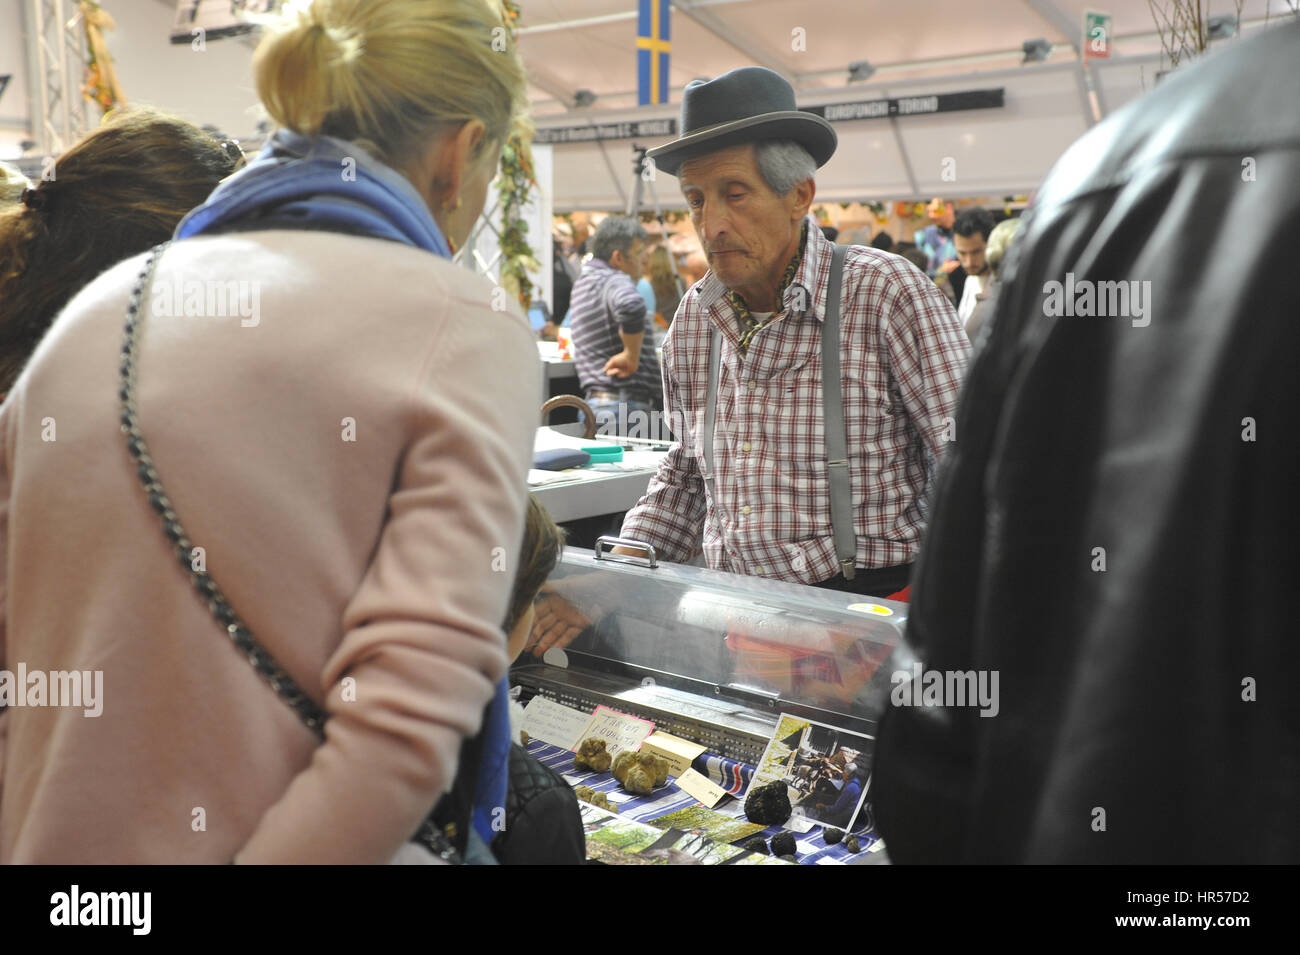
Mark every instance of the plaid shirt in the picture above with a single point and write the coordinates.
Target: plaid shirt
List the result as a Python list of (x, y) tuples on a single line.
[(903, 356)]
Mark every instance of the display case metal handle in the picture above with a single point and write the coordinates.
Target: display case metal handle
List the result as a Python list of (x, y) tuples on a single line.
[(603, 542)]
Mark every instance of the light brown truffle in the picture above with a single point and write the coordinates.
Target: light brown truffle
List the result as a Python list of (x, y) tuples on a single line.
[(587, 794), (640, 773), (592, 755)]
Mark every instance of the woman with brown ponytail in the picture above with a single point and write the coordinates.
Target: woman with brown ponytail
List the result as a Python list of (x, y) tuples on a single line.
[(118, 192), (339, 423)]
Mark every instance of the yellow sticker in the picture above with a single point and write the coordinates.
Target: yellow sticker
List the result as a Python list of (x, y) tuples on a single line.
[(878, 610)]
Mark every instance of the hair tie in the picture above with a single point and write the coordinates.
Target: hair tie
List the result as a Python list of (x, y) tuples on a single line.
[(34, 198)]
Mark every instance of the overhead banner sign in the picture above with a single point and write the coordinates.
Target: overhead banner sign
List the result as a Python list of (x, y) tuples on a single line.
[(653, 47), (911, 105), (595, 131), (1098, 31), (834, 112), (200, 20)]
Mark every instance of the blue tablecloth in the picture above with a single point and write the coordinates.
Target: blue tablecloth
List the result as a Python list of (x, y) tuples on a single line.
[(811, 848)]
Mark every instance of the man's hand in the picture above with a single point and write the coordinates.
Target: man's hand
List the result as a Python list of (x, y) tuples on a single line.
[(622, 365), (556, 622), (948, 267), (549, 331)]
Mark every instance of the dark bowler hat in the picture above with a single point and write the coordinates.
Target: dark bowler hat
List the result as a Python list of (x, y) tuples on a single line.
[(744, 106)]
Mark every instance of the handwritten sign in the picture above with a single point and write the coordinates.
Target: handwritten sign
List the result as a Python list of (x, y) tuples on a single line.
[(679, 752), (618, 730), (555, 724), (701, 787)]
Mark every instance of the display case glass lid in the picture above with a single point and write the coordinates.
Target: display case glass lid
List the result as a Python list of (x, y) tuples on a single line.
[(764, 643)]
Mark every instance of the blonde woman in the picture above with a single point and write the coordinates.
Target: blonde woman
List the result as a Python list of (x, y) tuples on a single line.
[(342, 423)]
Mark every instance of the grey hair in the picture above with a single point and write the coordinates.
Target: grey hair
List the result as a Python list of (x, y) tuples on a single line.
[(783, 164), (616, 234)]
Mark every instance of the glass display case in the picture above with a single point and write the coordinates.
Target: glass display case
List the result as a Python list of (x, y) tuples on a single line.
[(713, 657)]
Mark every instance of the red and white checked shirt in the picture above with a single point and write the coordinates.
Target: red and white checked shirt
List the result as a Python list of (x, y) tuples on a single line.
[(903, 355)]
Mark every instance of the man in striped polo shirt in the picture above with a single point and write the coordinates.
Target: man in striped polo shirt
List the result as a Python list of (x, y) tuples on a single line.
[(612, 344)]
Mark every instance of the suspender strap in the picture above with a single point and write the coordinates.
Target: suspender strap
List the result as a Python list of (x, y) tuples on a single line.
[(711, 406), (837, 459), (837, 463)]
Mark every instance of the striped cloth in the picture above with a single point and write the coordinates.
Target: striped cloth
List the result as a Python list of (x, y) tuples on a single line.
[(811, 848)]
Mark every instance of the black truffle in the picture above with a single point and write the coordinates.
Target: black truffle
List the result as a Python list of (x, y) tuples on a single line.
[(768, 805), (757, 844), (783, 844), (789, 859), (832, 835), (851, 843)]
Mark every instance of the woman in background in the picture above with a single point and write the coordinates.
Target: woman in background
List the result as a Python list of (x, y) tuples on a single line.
[(664, 282), (119, 191)]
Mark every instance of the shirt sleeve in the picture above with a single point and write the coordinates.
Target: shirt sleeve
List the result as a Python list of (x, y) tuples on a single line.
[(928, 351), (671, 513), (628, 306), (849, 796)]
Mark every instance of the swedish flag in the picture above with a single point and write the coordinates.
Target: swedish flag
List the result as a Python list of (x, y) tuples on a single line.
[(652, 49)]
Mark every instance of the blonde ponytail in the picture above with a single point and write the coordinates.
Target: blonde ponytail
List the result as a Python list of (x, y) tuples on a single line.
[(387, 74)]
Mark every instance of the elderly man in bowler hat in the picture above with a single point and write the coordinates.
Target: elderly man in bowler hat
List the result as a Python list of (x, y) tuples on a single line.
[(745, 163), (766, 486)]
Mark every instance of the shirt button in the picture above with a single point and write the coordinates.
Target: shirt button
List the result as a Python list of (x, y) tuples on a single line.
[(745, 509), (760, 571), (745, 446)]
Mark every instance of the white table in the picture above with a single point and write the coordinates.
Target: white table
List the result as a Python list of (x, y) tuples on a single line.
[(553, 366), (595, 489)]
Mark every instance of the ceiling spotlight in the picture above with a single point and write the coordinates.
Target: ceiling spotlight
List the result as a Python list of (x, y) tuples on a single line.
[(583, 98), (860, 71), (1035, 51), (1222, 26)]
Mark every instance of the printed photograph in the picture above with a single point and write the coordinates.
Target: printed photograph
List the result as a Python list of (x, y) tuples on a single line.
[(825, 770)]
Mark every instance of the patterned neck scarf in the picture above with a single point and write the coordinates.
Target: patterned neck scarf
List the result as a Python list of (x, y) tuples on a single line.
[(749, 325)]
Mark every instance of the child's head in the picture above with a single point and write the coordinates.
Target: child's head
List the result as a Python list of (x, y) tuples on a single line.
[(538, 555)]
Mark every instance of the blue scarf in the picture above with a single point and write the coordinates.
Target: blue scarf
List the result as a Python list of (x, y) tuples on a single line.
[(331, 185)]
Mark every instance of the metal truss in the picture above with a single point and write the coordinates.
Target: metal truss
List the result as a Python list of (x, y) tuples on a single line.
[(58, 59)]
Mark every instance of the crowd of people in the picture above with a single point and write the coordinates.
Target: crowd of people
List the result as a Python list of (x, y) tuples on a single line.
[(194, 375)]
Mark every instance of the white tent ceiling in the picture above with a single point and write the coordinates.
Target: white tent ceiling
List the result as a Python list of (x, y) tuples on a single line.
[(591, 44)]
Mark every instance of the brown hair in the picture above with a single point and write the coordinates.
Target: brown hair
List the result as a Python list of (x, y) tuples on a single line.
[(664, 282), (538, 554), (118, 192)]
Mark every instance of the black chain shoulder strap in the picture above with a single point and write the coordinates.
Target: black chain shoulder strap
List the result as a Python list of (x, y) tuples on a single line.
[(313, 717)]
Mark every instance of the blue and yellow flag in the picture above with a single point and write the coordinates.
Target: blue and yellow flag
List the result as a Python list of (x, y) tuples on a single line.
[(652, 49)]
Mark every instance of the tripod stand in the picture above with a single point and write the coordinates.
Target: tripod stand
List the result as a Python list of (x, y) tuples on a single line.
[(643, 173)]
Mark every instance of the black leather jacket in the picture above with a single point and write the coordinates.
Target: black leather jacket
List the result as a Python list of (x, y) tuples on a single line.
[(1116, 530)]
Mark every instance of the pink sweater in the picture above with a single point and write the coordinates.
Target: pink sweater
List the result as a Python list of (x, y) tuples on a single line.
[(376, 570)]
